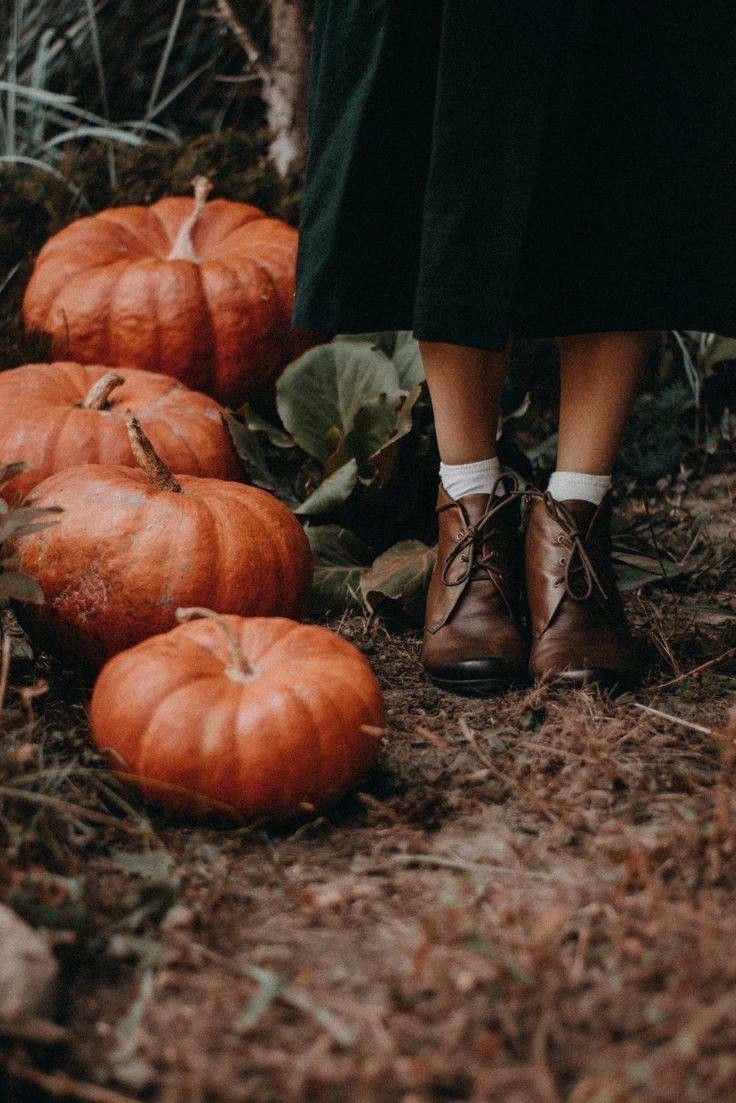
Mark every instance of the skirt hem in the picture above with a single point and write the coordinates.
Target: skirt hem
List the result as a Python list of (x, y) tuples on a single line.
[(448, 330)]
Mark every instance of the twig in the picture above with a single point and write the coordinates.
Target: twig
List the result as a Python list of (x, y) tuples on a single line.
[(512, 783), (477, 869), (696, 670), (673, 719), (4, 669), (60, 1085), (71, 809), (30, 1029), (683, 1047), (241, 34), (290, 994)]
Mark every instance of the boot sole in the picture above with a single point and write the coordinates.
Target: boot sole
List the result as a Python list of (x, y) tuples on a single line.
[(478, 687)]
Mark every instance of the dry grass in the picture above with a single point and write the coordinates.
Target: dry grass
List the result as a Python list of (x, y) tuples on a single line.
[(531, 900)]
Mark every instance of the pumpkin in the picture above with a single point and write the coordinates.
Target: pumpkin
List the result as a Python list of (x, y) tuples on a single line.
[(54, 416), (132, 545), (261, 716), (201, 291)]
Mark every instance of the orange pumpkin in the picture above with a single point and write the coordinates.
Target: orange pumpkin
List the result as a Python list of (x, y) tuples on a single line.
[(132, 545), (54, 416), (260, 715), (201, 291)]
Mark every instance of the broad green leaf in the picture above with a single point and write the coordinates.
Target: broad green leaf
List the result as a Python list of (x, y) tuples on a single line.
[(384, 341), (340, 561), (275, 435), (384, 459), (326, 389), (247, 444), (400, 576), (408, 361), (717, 350), (331, 492), (16, 586), (633, 570)]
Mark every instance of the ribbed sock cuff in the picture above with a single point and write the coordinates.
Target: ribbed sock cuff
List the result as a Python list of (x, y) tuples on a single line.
[(566, 485), (461, 479)]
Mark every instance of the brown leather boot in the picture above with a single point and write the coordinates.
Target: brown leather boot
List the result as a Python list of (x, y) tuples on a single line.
[(473, 643), (577, 620)]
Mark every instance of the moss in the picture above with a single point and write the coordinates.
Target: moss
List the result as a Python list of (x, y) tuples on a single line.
[(237, 162), (35, 205)]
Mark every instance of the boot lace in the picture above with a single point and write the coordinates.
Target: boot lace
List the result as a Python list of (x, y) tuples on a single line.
[(469, 548), (580, 578)]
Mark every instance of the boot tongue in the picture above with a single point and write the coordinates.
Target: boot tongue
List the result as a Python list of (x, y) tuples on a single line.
[(476, 506), (582, 513)]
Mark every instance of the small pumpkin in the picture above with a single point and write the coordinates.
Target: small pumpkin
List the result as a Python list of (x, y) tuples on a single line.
[(201, 291), (261, 716), (54, 416), (134, 544)]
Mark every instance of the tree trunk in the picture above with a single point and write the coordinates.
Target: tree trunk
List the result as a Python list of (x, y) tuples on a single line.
[(282, 67), (285, 90)]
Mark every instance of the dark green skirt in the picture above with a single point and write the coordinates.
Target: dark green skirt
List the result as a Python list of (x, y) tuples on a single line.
[(486, 168)]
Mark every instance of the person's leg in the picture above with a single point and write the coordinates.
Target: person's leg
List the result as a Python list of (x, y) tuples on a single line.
[(465, 387), (599, 378), (577, 620), (472, 640)]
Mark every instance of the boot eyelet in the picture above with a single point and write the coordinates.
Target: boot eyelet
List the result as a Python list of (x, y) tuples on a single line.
[(459, 536), (464, 558), (558, 582), (562, 561)]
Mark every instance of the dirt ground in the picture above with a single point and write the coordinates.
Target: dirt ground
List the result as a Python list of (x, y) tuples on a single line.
[(531, 899)]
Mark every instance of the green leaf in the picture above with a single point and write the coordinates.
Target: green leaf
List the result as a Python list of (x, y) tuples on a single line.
[(384, 341), (717, 351), (247, 443), (400, 576), (408, 361), (331, 492), (339, 391), (341, 559), (16, 586), (385, 458), (258, 424), (634, 570)]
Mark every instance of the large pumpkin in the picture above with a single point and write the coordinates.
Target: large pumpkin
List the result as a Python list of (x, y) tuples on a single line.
[(261, 715), (54, 416), (202, 291), (132, 545)]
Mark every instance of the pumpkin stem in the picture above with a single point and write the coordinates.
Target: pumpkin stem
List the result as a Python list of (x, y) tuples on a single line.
[(101, 391), (183, 247), (145, 455), (240, 669)]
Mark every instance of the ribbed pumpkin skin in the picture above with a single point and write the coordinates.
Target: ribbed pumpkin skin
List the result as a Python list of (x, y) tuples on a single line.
[(125, 555), (106, 292), (194, 738), (42, 423)]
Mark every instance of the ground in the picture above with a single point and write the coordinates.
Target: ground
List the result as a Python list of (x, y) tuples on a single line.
[(531, 899)]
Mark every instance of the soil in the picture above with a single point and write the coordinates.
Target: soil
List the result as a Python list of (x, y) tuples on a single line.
[(531, 899)]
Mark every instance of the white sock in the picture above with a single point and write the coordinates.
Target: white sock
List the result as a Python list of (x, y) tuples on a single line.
[(460, 479), (564, 485)]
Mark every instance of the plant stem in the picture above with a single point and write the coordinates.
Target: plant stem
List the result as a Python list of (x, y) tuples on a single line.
[(145, 455), (101, 391), (240, 669), (183, 247)]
